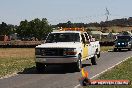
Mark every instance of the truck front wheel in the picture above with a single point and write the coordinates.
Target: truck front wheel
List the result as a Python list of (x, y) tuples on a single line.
[(40, 67), (98, 55), (93, 60), (78, 64)]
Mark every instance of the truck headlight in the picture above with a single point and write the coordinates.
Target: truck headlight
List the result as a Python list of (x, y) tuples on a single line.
[(37, 51), (70, 51)]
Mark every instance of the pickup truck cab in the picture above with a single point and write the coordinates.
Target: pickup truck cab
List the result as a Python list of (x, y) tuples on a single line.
[(123, 42), (69, 46)]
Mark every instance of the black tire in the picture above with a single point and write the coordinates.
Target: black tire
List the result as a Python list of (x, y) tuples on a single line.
[(93, 60), (98, 55), (40, 67), (78, 64)]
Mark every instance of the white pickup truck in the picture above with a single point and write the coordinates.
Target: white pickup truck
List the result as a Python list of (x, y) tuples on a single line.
[(69, 46)]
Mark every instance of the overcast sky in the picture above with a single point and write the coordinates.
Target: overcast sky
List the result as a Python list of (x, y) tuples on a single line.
[(56, 11)]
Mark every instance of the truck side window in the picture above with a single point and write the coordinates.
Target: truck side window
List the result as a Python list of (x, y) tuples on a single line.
[(83, 38)]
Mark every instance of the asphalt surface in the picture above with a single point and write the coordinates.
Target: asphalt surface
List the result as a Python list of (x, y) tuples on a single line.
[(57, 77)]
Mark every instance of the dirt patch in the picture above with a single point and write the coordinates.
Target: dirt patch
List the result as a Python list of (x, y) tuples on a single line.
[(17, 52)]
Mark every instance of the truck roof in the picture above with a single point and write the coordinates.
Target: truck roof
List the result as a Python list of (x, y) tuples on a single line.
[(70, 30)]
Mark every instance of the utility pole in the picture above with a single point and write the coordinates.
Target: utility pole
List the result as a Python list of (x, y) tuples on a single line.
[(107, 14)]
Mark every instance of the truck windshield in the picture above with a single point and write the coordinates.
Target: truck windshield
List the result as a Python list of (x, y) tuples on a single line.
[(63, 37), (123, 38)]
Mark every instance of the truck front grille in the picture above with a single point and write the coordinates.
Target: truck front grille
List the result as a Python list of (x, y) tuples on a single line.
[(52, 52)]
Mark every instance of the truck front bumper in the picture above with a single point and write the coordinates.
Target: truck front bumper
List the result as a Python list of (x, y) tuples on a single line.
[(56, 60), (122, 47)]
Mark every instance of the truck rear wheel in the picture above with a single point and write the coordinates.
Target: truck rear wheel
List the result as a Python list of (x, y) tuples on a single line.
[(40, 67), (93, 60), (98, 55), (78, 64)]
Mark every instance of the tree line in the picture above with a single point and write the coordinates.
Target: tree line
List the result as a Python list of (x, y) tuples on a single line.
[(123, 22), (38, 28)]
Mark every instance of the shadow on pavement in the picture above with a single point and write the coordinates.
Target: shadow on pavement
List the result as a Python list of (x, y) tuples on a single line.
[(55, 69), (85, 65)]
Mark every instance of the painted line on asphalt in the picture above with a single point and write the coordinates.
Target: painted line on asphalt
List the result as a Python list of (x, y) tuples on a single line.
[(77, 86)]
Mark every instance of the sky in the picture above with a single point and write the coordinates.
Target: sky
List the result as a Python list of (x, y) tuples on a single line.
[(60, 11)]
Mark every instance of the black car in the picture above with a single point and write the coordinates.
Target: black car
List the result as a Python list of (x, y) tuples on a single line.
[(123, 42)]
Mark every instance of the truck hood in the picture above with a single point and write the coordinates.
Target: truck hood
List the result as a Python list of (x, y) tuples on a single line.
[(60, 45)]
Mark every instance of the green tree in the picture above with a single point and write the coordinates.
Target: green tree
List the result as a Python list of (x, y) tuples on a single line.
[(36, 28), (4, 29), (12, 28), (23, 29)]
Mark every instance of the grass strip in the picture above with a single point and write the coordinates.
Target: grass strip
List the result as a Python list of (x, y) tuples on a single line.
[(122, 71)]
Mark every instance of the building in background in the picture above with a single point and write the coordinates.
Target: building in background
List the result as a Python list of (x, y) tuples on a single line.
[(104, 36), (4, 38), (97, 34), (109, 36)]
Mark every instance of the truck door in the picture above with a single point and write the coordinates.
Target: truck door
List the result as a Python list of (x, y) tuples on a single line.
[(85, 47)]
